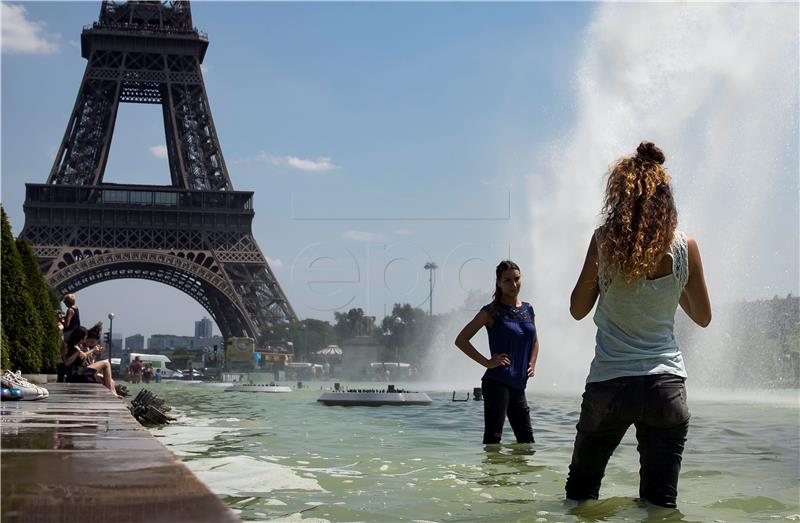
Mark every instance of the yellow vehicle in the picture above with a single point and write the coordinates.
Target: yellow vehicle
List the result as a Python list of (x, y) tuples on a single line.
[(239, 351)]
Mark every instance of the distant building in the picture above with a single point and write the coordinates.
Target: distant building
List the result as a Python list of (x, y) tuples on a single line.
[(135, 342), (160, 342), (207, 343), (163, 342), (118, 339), (203, 328)]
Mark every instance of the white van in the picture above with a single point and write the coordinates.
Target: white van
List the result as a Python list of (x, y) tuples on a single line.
[(158, 361)]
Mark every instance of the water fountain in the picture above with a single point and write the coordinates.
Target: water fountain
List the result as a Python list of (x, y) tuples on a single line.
[(732, 155)]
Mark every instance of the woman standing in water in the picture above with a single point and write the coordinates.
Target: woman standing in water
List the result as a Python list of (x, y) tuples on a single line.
[(514, 348), (641, 268)]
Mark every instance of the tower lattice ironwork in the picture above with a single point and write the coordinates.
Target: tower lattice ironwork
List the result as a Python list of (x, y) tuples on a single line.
[(195, 234)]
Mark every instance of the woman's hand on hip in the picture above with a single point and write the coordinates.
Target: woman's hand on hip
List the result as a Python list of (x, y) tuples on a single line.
[(498, 360)]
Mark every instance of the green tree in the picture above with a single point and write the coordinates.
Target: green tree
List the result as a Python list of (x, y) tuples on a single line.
[(273, 335), (181, 358), (306, 336), (4, 361), (55, 299), (309, 336), (405, 334), (353, 323), (40, 296), (19, 319)]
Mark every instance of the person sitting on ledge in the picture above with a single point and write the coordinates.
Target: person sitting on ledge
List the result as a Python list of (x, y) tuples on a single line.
[(91, 345), (75, 361)]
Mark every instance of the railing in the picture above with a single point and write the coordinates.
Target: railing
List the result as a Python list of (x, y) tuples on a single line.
[(147, 28), (136, 197)]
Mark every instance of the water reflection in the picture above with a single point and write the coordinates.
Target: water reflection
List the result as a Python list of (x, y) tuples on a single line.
[(509, 465), (616, 508)]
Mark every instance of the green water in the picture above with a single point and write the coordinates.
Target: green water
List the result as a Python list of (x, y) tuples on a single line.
[(285, 457)]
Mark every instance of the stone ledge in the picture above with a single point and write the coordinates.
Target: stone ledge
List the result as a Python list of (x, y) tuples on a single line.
[(80, 456)]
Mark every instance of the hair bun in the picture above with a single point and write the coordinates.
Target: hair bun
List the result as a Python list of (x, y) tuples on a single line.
[(649, 152)]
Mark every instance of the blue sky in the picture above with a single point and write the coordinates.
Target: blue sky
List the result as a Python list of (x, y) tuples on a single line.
[(377, 136)]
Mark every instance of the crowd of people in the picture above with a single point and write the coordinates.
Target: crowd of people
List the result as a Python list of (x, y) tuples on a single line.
[(139, 372), (80, 348), (638, 270)]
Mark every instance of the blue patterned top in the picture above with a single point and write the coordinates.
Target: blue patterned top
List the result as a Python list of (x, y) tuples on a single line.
[(512, 333)]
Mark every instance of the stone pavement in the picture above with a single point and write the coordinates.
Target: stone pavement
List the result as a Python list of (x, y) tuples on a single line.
[(79, 455)]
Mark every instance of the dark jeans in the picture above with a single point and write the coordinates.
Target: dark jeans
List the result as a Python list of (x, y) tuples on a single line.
[(656, 406), (80, 374), (499, 401), (61, 373)]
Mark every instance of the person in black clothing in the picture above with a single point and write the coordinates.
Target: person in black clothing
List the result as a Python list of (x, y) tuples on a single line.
[(75, 361), (72, 319), (91, 344), (514, 348)]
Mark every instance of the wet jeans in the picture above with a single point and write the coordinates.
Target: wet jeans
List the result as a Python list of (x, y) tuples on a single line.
[(499, 401), (656, 406)]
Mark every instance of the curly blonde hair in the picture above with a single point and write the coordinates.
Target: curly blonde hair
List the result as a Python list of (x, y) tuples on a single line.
[(639, 214)]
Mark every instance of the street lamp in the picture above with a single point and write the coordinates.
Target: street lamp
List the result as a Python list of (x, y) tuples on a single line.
[(304, 328), (398, 321), (430, 266), (110, 336)]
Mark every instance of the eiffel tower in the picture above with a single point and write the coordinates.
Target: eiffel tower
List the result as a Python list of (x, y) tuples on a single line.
[(195, 234)]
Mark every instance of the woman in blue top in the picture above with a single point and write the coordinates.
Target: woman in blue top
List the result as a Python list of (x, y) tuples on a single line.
[(514, 348), (641, 268)]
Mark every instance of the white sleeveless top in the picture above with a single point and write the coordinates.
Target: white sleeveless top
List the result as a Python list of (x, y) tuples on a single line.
[(635, 321)]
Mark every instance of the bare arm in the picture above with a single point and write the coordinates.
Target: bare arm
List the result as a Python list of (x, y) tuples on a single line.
[(76, 354), (586, 288), (694, 297), (470, 329), (68, 317), (534, 356)]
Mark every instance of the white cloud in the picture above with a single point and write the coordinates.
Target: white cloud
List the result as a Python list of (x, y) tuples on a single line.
[(321, 164), (362, 236), (402, 232), (205, 69), (21, 35), (274, 263), (159, 151)]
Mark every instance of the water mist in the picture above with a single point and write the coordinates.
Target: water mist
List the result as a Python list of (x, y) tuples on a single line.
[(716, 87)]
